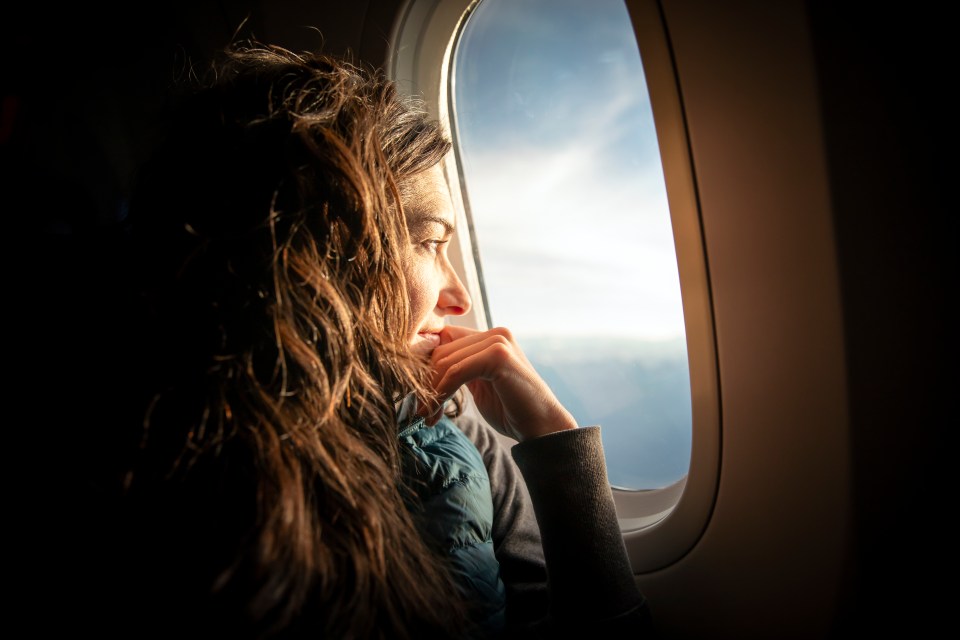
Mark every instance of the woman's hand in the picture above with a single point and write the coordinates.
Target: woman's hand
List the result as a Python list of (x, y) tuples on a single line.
[(509, 393)]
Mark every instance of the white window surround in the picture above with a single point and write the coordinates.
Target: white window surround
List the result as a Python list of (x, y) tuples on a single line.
[(659, 526)]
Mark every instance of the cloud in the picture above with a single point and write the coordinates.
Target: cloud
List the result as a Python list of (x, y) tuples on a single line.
[(567, 248)]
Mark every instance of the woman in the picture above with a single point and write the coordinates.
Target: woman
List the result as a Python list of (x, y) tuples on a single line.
[(295, 473)]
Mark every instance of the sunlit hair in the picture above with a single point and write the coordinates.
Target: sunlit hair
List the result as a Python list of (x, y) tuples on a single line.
[(271, 237)]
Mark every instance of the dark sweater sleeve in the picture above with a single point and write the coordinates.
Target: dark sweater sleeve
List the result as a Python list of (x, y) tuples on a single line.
[(591, 584)]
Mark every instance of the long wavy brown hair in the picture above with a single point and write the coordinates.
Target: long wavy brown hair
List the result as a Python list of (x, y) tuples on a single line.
[(270, 240)]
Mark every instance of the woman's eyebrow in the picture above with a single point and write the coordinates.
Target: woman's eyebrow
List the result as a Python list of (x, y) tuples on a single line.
[(422, 221)]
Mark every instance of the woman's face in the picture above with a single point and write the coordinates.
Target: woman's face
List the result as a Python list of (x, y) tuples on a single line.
[(433, 286)]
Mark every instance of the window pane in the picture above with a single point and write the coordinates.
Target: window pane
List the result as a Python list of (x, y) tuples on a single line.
[(561, 167)]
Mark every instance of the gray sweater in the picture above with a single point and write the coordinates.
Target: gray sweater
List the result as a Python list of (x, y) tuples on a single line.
[(556, 534)]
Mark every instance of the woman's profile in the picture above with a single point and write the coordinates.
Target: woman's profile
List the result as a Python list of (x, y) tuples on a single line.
[(291, 469)]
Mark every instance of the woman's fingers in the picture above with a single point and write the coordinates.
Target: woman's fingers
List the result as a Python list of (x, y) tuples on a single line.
[(507, 389), (473, 359), (453, 338), (479, 361), (465, 349)]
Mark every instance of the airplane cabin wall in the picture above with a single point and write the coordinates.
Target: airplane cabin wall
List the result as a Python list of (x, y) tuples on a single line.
[(772, 558), (817, 136)]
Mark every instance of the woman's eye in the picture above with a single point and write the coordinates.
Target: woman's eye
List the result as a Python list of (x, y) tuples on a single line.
[(433, 246)]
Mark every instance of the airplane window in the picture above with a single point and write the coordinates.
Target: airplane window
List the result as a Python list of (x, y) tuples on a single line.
[(560, 164)]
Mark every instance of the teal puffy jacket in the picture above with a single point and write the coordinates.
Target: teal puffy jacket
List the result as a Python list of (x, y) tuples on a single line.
[(455, 512)]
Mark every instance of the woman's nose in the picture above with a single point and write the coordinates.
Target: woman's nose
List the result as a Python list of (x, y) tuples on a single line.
[(454, 299)]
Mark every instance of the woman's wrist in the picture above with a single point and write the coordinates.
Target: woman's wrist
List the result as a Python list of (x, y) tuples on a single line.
[(562, 421)]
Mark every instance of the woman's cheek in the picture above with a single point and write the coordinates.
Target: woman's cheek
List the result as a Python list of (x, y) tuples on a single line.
[(419, 293)]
